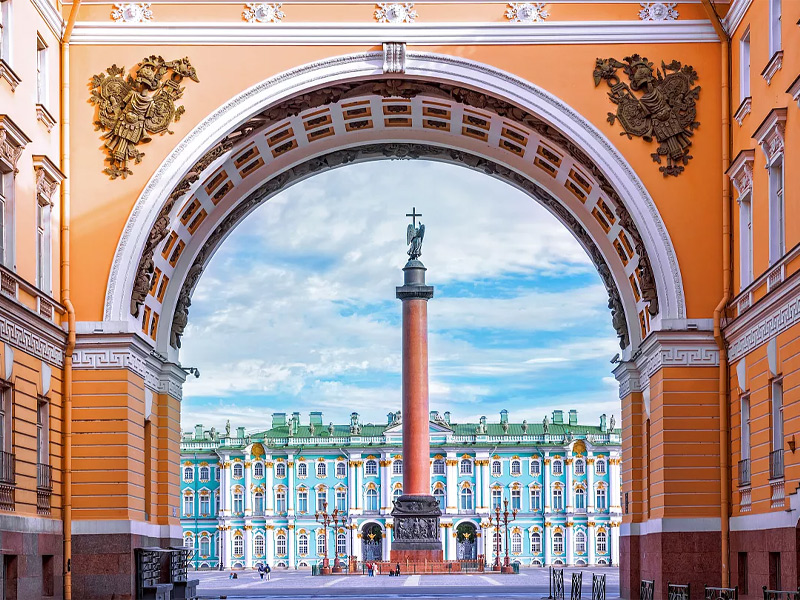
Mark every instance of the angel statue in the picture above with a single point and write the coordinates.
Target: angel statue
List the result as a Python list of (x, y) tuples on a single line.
[(414, 236), (132, 107)]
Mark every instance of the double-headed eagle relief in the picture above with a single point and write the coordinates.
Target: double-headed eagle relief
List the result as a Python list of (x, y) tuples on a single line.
[(666, 111), (133, 106)]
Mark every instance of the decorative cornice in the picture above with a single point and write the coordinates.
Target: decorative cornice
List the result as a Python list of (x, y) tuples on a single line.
[(22, 328), (741, 171), (773, 66), (51, 16), (12, 141), (48, 177), (770, 134), (441, 34), (743, 110), (735, 14), (794, 90), (43, 115), (7, 73), (663, 349)]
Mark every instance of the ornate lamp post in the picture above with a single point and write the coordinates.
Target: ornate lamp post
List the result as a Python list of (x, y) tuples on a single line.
[(502, 520), (329, 519), (496, 537), (353, 561)]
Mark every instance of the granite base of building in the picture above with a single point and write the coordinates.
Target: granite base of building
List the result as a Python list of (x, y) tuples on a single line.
[(103, 564), (765, 557), (691, 557), (33, 558)]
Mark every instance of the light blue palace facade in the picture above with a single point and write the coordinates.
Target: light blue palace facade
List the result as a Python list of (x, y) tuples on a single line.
[(251, 498)]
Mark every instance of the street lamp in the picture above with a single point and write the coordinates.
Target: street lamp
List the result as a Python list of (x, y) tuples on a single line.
[(353, 561), (502, 519), (329, 519)]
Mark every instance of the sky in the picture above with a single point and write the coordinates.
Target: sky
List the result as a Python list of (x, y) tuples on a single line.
[(297, 311)]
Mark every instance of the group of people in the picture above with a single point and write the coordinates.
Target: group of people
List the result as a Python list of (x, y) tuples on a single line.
[(265, 569), (371, 569)]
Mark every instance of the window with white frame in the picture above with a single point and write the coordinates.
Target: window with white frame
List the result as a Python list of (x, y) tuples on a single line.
[(43, 432), (580, 466), (238, 545), (205, 473), (238, 502), (205, 546), (341, 543), (322, 499), (744, 65), (777, 414), (258, 503), (280, 470), (558, 543), (558, 499), (218, 474), (280, 501), (497, 468), (580, 542), (372, 500), (396, 493), (188, 474), (238, 470), (205, 503), (465, 467), (5, 417), (5, 31), (600, 499), (438, 495), (600, 467), (302, 501), (516, 499), (516, 543), (188, 504), (601, 542), (438, 466), (258, 470), (466, 498), (371, 467), (341, 500), (745, 404), (322, 469), (536, 499), (745, 239), (321, 544), (302, 544), (580, 499), (777, 210), (497, 498), (188, 541), (6, 209), (536, 467), (44, 255), (774, 26), (280, 544), (397, 467), (258, 545), (536, 543), (42, 76), (516, 467), (341, 469), (558, 467), (302, 469)]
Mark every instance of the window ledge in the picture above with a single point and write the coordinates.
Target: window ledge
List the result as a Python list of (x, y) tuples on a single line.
[(743, 110), (773, 66), (43, 115), (7, 73)]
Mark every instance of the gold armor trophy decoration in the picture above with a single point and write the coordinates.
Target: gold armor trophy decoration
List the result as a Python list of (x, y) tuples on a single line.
[(128, 111), (665, 112)]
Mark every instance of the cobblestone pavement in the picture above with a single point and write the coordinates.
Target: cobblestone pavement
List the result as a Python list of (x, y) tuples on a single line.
[(288, 585)]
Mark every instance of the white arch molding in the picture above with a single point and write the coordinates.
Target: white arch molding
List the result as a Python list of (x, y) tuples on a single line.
[(419, 65)]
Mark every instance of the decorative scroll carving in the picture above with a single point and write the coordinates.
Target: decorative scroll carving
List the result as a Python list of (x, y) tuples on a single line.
[(399, 151), (665, 112), (127, 113)]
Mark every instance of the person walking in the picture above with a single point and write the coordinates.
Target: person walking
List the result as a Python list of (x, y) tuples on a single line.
[(397, 570), (261, 571), (267, 570)]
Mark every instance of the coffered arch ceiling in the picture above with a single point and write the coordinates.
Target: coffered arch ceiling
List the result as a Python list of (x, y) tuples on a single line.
[(372, 116)]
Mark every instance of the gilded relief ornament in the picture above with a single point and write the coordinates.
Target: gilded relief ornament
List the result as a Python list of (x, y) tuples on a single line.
[(666, 111), (133, 106)]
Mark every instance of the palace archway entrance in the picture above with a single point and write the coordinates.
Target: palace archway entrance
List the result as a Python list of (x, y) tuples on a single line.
[(467, 541), (371, 542)]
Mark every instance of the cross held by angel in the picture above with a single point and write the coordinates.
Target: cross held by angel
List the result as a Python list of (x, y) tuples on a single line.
[(414, 235)]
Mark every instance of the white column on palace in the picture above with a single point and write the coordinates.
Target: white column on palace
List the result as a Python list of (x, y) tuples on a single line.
[(485, 481), (248, 492), (591, 544), (226, 547), (290, 493), (351, 485), (614, 539), (614, 483), (269, 542), (547, 541), (546, 486), (387, 547), (224, 486), (590, 484), (360, 486), (291, 547), (386, 483), (269, 493), (569, 532), (481, 541), (451, 506), (248, 547), (568, 494), (357, 542), (478, 487), (450, 532)]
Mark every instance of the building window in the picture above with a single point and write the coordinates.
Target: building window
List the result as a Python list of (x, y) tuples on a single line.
[(536, 467), (188, 541), (42, 78), (372, 500), (774, 26), (258, 470), (466, 466), (302, 544), (258, 503), (371, 467), (580, 542), (322, 469), (188, 505), (777, 229), (600, 467), (43, 432), (497, 468), (536, 543), (516, 468), (238, 470), (280, 544), (258, 545), (536, 500), (516, 499), (580, 499), (341, 543), (466, 498), (558, 467), (5, 31), (302, 501), (218, 474), (205, 473), (580, 467), (745, 402), (322, 500), (601, 542), (777, 421), (341, 500), (516, 543), (280, 502), (205, 504), (238, 545), (188, 474), (497, 498), (341, 469), (302, 469), (438, 466), (558, 499), (6, 207), (205, 546), (558, 543), (438, 494), (396, 493), (600, 504), (397, 467), (321, 544), (238, 502), (280, 470), (43, 253), (744, 65), (746, 239)]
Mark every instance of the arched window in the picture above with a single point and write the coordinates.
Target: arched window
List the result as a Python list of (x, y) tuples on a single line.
[(322, 499), (558, 499), (558, 467), (600, 467), (580, 542), (600, 504), (558, 543), (516, 467), (188, 505), (341, 543), (466, 466), (536, 499), (580, 499), (536, 467), (516, 499), (341, 500), (397, 467), (258, 470), (601, 542), (280, 501), (322, 469), (396, 493), (205, 546), (258, 503), (497, 468), (438, 466), (188, 474), (372, 500), (205, 503), (371, 467), (341, 469), (536, 543), (302, 544), (238, 502), (580, 466), (238, 470), (302, 469), (321, 544), (516, 543), (466, 498), (258, 545), (438, 494), (497, 498), (205, 473), (188, 541), (238, 545), (302, 500), (280, 470), (280, 544)]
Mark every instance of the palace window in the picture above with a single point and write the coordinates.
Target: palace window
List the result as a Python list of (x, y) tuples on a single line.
[(558, 467), (42, 78), (321, 544), (536, 500), (188, 474), (438, 494), (238, 545), (396, 494), (5, 31), (600, 504), (558, 499), (497, 468), (536, 467), (43, 253), (302, 501), (341, 543), (777, 210), (580, 467), (558, 543), (341, 500), (745, 403), (188, 505), (238, 502), (302, 544), (744, 65), (6, 208), (466, 498), (397, 467), (341, 469), (516, 543), (258, 470), (746, 238), (280, 544), (466, 466), (438, 466), (280, 502), (258, 503), (516, 499), (371, 467), (205, 473), (302, 469), (372, 500), (188, 541), (205, 546), (218, 476), (516, 467), (43, 431), (580, 499), (280, 470), (238, 470), (205, 503), (258, 545), (776, 416), (601, 542), (497, 498), (580, 542), (536, 543), (322, 499), (600, 467), (322, 469), (774, 26)]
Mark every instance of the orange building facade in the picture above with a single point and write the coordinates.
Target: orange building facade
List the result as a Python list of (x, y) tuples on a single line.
[(135, 137)]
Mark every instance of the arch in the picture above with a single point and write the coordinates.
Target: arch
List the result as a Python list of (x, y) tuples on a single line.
[(499, 91)]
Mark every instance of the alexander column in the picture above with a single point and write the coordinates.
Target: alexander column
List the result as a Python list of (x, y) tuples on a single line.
[(416, 513)]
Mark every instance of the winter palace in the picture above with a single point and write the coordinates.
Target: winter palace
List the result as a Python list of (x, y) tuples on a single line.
[(250, 498)]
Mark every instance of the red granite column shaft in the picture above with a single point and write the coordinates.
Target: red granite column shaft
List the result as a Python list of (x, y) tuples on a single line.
[(416, 443)]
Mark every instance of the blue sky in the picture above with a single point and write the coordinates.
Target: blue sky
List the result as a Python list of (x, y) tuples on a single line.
[(297, 309)]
